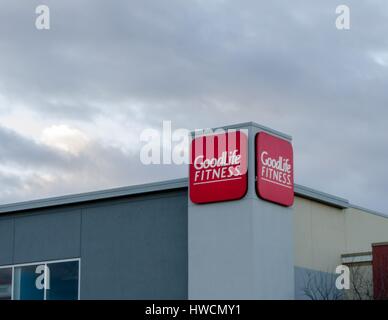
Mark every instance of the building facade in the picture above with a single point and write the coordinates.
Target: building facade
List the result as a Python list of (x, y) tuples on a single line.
[(152, 242)]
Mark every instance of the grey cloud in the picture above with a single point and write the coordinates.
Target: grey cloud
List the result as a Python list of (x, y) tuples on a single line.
[(18, 150), (205, 64), (45, 171)]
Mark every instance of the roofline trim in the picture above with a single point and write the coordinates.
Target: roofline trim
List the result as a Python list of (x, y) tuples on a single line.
[(245, 125), (301, 191), (94, 195), (312, 194), (376, 213)]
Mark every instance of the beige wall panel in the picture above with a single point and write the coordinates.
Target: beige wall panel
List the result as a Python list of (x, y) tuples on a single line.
[(323, 233), (319, 232), (302, 233), (363, 229)]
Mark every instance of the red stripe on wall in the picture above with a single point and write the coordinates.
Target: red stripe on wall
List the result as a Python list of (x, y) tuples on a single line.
[(380, 270)]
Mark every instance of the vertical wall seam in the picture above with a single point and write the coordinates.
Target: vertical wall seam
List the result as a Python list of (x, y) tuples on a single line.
[(80, 233), (79, 254), (13, 239), (344, 211), (311, 235)]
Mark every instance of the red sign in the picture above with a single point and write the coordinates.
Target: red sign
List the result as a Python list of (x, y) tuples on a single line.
[(274, 169), (380, 271), (218, 167)]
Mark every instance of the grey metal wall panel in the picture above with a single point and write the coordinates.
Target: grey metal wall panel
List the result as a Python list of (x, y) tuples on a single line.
[(47, 235), (6, 241), (136, 249)]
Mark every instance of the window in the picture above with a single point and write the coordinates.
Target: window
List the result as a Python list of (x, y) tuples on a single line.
[(25, 284), (63, 281), (6, 284), (51, 280)]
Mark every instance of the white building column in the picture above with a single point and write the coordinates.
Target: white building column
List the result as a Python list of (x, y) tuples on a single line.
[(241, 249)]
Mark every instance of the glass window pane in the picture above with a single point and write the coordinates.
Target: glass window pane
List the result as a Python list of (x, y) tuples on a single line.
[(29, 282), (6, 284), (63, 283)]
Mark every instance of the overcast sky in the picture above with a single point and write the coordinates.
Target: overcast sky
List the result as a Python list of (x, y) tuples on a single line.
[(74, 99)]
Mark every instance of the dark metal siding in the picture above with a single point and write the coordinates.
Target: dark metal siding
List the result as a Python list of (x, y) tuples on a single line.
[(131, 248)]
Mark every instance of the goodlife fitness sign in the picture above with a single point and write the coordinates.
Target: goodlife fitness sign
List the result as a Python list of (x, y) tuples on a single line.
[(219, 162), (274, 169), (218, 167)]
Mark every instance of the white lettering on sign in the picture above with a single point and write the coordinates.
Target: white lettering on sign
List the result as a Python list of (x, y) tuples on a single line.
[(217, 169), (276, 171)]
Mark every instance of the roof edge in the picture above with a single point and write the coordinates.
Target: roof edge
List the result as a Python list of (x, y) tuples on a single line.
[(94, 195), (376, 213), (249, 124), (301, 191), (329, 199)]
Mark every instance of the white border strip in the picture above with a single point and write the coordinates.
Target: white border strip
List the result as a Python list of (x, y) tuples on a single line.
[(277, 183), (357, 259), (215, 181)]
